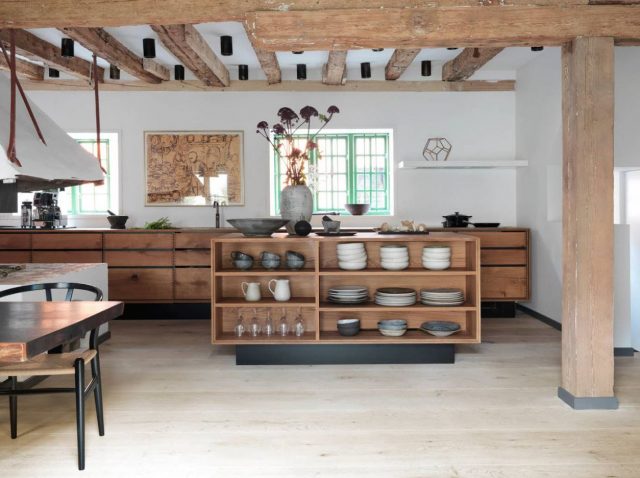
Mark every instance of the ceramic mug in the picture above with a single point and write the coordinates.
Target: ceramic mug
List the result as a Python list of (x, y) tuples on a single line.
[(251, 291), (281, 292)]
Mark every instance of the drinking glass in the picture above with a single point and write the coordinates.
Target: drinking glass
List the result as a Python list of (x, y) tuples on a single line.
[(298, 326), (255, 327), (240, 328), (283, 326), (267, 328)]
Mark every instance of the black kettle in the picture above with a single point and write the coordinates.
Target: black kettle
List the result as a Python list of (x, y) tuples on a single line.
[(456, 220)]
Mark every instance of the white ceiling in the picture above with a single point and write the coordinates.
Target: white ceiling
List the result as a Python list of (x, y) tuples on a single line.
[(503, 66)]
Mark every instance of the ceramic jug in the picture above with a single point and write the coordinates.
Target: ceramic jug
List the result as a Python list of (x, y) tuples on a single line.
[(281, 292), (251, 291)]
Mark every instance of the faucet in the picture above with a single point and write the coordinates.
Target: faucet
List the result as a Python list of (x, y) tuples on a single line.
[(216, 205)]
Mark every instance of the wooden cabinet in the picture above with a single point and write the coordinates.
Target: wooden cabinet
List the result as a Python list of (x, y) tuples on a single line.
[(138, 240), (62, 240), (15, 241), (193, 283), (138, 284), (148, 258), (66, 256)]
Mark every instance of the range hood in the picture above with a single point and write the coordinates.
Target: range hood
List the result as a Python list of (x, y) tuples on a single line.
[(60, 163)]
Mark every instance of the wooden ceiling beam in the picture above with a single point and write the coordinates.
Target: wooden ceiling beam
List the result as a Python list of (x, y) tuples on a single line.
[(24, 69), (188, 46), (107, 47), (31, 46), (467, 63), (270, 66), (439, 27), (399, 62), (156, 69), (334, 70)]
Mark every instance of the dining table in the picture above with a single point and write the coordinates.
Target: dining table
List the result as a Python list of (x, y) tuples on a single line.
[(28, 329)]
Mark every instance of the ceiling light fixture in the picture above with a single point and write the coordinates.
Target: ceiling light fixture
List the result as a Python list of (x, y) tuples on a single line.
[(452, 48), (365, 70), (114, 72), (226, 45), (148, 47), (377, 49), (243, 72), (53, 73), (297, 52), (178, 72), (476, 53), (537, 48), (425, 67), (301, 71), (66, 47)]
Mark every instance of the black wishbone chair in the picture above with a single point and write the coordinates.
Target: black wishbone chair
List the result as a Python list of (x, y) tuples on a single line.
[(48, 364)]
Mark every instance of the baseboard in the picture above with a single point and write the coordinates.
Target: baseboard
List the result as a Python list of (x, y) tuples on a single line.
[(102, 338), (624, 351), (159, 311)]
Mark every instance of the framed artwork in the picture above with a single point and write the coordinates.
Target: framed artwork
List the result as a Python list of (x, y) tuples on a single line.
[(193, 168)]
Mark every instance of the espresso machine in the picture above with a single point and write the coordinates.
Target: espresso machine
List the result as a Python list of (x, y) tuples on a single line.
[(46, 212)]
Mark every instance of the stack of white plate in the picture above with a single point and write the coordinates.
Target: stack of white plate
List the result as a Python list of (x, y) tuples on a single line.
[(352, 256), (394, 257), (349, 294), (395, 296), (442, 297), (436, 257)]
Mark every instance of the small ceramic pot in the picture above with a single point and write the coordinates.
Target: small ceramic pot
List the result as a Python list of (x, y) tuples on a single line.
[(243, 265), (270, 260)]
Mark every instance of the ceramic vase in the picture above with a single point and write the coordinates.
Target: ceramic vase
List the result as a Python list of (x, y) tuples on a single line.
[(296, 204)]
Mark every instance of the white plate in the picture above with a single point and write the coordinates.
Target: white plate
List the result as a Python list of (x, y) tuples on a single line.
[(351, 257), (349, 288), (350, 246), (395, 267)]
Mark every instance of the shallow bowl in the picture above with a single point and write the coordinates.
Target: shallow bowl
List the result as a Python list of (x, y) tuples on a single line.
[(257, 227), (350, 246), (352, 266), (395, 267), (436, 266), (392, 323), (243, 264), (357, 209), (392, 332)]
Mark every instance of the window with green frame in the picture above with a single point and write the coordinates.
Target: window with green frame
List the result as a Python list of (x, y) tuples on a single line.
[(347, 168)]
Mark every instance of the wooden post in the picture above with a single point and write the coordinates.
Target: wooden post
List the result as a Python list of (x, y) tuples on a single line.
[(587, 305)]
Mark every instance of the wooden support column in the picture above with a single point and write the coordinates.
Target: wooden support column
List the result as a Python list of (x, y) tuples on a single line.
[(587, 305)]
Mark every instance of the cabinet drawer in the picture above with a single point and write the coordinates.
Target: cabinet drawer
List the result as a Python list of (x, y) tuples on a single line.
[(15, 257), (501, 239), (138, 240), (140, 284), (138, 258), (61, 240), (193, 284), (15, 241), (503, 257), (194, 240), (67, 256), (506, 283), (193, 258)]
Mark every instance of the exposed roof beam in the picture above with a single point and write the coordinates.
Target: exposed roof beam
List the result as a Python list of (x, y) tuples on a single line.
[(439, 27), (399, 62), (106, 46), (30, 46), (467, 63), (270, 66), (192, 50), (334, 70), (98, 13), (156, 69), (24, 68)]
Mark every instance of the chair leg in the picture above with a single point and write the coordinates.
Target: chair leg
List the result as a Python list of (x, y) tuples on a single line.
[(13, 408), (97, 392), (79, 376)]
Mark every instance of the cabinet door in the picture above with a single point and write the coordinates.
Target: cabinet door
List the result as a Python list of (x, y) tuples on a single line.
[(194, 240), (193, 283), (500, 239), (503, 257), (138, 240), (15, 257), (193, 258), (79, 257), (15, 241), (138, 258), (504, 283), (63, 240), (141, 284)]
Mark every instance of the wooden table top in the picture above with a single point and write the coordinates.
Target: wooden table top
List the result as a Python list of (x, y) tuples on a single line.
[(28, 329)]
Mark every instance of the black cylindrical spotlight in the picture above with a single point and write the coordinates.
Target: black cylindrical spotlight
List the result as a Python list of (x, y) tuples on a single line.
[(537, 48), (178, 72), (226, 45), (365, 69), (425, 67), (114, 72), (377, 49), (243, 72), (452, 48), (148, 47), (301, 71), (66, 47), (53, 73), (297, 52)]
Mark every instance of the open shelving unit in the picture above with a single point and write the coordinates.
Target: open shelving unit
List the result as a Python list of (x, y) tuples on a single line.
[(310, 286)]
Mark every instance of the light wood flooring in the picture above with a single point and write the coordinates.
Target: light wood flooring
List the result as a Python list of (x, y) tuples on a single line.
[(176, 406)]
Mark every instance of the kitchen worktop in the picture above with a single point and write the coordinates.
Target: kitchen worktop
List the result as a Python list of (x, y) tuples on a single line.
[(39, 273), (226, 230)]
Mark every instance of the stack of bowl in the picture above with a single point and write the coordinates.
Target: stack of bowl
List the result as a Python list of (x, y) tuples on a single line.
[(394, 257), (436, 257), (352, 256), (348, 327), (392, 327)]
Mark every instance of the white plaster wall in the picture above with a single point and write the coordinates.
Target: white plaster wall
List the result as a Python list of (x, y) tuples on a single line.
[(479, 125)]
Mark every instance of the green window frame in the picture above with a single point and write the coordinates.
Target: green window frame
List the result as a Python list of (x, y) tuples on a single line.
[(352, 168), (89, 198)]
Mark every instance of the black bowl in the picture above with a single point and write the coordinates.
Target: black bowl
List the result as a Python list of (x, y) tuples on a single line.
[(349, 329), (357, 209), (117, 222)]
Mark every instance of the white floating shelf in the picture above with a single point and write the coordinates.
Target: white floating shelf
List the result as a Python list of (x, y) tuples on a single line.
[(424, 164)]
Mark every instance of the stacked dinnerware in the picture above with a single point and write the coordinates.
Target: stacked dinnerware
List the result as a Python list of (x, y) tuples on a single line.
[(440, 328), (395, 296), (352, 256), (436, 257), (392, 327), (442, 297), (349, 294), (394, 257)]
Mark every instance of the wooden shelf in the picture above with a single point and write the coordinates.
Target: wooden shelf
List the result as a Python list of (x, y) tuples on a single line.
[(412, 336), (266, 302), (231, 339), (453, 164), (265, 273), (369, 306), (410, 271)]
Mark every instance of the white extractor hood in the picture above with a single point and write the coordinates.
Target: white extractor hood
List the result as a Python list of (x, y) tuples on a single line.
[(61, 162)]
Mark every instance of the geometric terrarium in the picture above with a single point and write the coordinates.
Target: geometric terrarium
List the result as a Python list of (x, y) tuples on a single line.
[(436, 149)]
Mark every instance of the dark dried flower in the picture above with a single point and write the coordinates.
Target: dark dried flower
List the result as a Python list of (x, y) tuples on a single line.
[(308, 112), (263, 125), (287, 115), (333, 109), (279, 129)]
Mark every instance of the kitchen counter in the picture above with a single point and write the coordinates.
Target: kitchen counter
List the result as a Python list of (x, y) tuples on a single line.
[(39, 273)]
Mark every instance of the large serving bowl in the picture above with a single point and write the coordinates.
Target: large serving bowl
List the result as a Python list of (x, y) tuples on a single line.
[(357, 209), (257, 227)]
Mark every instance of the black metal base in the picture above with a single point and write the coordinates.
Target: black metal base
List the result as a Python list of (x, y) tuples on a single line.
[(177, 311), (343, 354), (499, 310)]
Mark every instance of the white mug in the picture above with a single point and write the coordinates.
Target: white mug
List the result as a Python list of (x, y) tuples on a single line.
[(251, 291), (282, 292)]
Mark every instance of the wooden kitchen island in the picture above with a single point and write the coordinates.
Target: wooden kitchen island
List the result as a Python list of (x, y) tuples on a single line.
[(309, 289)]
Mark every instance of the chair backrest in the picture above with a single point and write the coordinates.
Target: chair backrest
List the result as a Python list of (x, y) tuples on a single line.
[(49, 286)]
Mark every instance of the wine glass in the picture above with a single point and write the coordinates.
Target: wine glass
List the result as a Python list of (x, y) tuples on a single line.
[(267, 328), (240, 328), (283, 326), (298, 326), (255, 327)]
